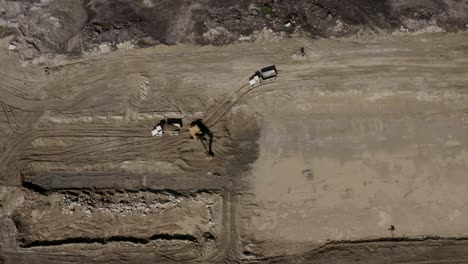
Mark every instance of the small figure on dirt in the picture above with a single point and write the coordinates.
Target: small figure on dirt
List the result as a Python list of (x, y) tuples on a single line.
[(302, 52), (392, 230)]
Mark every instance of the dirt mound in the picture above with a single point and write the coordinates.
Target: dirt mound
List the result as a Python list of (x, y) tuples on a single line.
[(107, 214), (46, 28), (73, 27)]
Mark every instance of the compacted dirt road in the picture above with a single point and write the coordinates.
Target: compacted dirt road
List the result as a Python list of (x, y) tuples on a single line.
[(356, 152)]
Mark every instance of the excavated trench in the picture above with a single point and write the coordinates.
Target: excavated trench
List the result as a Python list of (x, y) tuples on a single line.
[(64, 215), (104, 241)]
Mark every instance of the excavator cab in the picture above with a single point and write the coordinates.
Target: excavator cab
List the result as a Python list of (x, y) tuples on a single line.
[(199, 131)]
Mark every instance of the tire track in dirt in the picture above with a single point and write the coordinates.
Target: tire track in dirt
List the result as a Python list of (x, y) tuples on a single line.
[(136, 56), (119, 151), (118, 148)]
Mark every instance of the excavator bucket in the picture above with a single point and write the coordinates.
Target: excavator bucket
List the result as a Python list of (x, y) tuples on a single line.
[(195, 132)]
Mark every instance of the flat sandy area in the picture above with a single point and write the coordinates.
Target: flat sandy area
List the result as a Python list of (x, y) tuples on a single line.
[(360, 139)]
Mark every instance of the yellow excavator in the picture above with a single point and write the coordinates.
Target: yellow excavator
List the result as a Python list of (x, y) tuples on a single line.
[(199, 131)]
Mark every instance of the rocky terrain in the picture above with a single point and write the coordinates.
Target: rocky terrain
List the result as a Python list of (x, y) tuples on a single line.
[(75, 27)]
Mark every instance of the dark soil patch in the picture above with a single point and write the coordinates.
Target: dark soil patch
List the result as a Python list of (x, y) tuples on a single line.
[(152, 22), (4, 32)]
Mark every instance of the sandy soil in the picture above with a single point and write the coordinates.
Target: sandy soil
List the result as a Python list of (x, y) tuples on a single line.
[(370, 147), (374, 141), (361, 140)]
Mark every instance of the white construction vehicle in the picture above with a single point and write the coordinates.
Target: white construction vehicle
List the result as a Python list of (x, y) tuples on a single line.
[(170, 126), (157, 131), (266, 73)]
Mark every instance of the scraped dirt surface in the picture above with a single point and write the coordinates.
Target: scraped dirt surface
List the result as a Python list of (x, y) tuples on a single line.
[(357, 152)]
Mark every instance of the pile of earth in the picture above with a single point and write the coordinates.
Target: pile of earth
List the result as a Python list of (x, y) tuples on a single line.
[(77, 26)]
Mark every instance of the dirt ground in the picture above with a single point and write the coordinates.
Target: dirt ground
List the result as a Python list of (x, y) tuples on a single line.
[(363, 145), (355, 153)]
